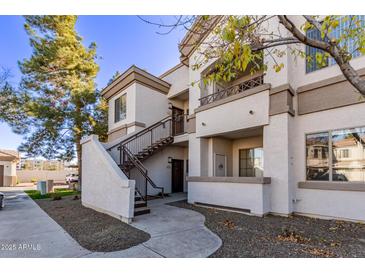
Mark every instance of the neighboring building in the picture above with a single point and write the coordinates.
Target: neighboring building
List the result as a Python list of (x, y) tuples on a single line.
[(280, 143), (34, 170), (8, 162), (40, 164)]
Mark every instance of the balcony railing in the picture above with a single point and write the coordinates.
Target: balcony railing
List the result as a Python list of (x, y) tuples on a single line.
[(241, 87)]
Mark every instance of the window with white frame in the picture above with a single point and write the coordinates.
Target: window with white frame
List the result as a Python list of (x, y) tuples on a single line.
[(337, 155), (345, 23), (120, 108)]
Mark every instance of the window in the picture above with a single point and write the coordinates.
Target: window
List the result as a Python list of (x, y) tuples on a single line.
[(120, 108), (310, 53), (251, 162), (351, 45), (345, 143), (315, 154), (346, 162), (317, 163), (344, 153)]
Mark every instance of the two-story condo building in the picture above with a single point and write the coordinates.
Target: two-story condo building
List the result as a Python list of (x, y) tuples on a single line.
[(288, 142)]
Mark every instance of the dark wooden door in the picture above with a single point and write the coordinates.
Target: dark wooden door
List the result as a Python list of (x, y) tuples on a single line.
[(177, 180), (1, 175), (177, 121)]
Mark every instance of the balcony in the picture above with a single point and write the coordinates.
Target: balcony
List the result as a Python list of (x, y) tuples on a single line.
[(233, 90), (241, 106)]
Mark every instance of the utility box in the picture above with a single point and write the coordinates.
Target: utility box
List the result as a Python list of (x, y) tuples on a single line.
[(42, 187), (49, 186)]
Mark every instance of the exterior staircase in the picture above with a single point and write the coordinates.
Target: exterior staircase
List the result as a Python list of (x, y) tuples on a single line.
[(137, 148)]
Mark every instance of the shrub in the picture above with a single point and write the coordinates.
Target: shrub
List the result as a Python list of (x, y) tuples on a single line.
[(56, 196), (58, 192)]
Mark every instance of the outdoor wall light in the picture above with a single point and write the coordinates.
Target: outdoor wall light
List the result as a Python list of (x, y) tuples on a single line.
[(251, 112), (204, 124), (169, 160)]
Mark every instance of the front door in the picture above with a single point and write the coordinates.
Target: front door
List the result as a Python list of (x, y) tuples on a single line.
[(220, 168), (177, 121), (177, 180), (1, 175)]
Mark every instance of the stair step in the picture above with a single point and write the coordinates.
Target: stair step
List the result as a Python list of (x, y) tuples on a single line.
[(150, 149), (140, 203), (141, 211)]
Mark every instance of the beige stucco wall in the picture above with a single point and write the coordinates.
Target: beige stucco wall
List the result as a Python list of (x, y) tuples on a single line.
[(26, 176), (144, 106), (105, 187), (131, 107), (151, 106), (10, 175), (179, 80), (277, 162), (234, 115), (330, 203), (9, 168), (253, 197)]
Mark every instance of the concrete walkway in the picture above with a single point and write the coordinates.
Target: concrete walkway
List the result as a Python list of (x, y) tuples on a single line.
[(27, 231), (175, 232)]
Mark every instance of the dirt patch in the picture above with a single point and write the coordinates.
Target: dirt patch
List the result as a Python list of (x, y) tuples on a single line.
[(93, 230), (274, 236)]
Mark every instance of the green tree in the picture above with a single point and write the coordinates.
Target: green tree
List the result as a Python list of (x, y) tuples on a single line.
[(101, 114), (115, 76), (10, 103), (100, 118), (57, 99)]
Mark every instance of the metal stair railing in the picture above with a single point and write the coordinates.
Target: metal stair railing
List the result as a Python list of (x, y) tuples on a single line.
[(148, 136), (127, 157), (136, 143)]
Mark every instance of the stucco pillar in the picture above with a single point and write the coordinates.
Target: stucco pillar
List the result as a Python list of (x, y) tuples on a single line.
[(198, 156), (277, 162)]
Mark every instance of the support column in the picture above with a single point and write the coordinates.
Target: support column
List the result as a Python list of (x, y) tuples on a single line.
[(198, 156), (277, 162)]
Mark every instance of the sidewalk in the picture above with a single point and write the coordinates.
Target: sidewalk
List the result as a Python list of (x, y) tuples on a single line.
[(27, 231), (175, 232)]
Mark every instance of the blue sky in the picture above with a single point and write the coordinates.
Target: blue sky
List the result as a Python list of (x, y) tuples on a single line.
[(121, 41)]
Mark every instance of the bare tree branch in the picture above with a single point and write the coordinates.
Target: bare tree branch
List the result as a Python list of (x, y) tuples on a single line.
[(348, 71), (290, 26)]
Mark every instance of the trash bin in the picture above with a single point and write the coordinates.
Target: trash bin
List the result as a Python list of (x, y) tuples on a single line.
[(2, 200), (42, 187)]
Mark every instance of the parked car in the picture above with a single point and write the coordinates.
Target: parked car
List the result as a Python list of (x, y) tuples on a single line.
[(72, 178), (2, 200)]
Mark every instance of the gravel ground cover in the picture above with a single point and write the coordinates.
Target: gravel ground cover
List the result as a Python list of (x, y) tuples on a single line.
[(93, 230), (273, 236)]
